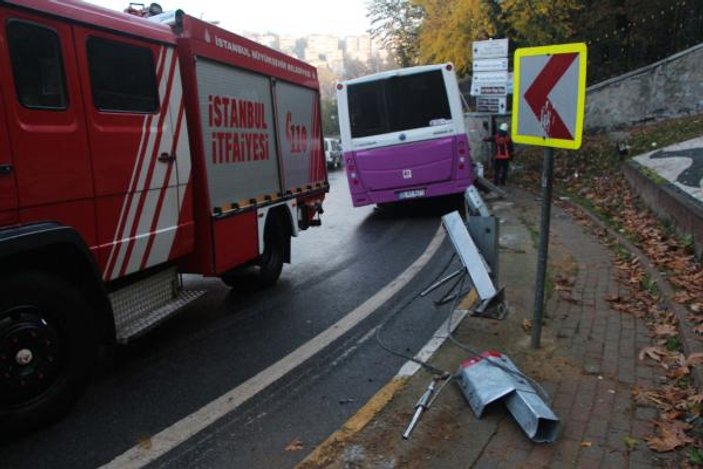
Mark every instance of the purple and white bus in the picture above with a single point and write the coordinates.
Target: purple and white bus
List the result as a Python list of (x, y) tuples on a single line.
[(403, 135)]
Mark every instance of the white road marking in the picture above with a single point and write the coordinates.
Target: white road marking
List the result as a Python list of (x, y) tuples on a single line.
[(424, 355), (181, 431)]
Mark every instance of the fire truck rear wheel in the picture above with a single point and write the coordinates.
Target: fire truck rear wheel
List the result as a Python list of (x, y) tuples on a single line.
[(47, 349), (271, 261)]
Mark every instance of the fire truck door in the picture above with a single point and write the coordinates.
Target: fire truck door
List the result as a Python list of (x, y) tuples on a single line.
[(8, 189), (46, 127), (131, 89)]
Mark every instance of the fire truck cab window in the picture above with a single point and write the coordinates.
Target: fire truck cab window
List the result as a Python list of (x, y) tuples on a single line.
[(123, 77), (35, 53)]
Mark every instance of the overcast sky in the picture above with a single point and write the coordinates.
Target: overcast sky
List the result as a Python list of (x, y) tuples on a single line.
[(298, 17)]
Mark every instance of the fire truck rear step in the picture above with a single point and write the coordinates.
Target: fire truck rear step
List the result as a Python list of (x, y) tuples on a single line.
[(143, 305)]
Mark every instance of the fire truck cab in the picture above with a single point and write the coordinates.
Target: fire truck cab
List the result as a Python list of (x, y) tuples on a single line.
[(133, 150)]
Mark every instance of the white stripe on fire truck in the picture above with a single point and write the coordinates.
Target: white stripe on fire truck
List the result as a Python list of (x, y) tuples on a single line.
[(137, 191), (156, 185), (147, 198), (161, 242), (165, 221), (142, 166), (182, 174), (126, 203)]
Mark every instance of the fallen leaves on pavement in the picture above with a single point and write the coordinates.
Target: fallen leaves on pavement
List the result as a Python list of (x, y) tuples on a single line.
[(593, 177), (295, 445), (670, 435), (656, 353)]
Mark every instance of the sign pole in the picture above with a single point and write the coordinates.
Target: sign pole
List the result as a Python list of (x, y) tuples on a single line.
[(548, 168), (548, 111)]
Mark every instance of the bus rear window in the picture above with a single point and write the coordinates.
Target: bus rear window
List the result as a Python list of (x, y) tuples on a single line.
[(367, 109), (398, 103)]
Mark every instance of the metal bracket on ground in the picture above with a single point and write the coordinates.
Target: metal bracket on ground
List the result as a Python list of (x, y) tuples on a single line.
[(492, 377)]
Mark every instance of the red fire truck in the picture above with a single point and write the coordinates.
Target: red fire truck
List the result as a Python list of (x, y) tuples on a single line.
[(133, 150)]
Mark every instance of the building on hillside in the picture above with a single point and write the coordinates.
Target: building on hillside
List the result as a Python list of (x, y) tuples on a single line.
[(287, 43)]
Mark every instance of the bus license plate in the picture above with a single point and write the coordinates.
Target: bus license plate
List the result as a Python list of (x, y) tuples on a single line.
[(411, 194)]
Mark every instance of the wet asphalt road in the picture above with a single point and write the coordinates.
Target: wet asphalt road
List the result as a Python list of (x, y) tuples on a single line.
[(231, 335)]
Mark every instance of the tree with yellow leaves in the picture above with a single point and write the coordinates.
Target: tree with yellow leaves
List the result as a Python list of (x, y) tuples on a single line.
[(449, 27), (539, 22)]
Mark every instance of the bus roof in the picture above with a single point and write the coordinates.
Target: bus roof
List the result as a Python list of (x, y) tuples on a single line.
[(398, 72)]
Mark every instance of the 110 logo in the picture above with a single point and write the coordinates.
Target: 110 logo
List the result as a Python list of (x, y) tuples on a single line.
[(296, 136)]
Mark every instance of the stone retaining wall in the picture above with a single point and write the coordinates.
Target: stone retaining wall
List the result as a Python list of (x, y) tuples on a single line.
[(669, 88)]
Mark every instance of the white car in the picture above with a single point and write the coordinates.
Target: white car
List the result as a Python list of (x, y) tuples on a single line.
[(333, 152)]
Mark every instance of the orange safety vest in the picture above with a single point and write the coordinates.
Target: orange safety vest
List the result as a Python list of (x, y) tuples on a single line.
[(502, 147)]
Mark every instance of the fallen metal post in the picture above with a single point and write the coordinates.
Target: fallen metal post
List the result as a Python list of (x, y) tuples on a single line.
[(420, 407), (439, 283)]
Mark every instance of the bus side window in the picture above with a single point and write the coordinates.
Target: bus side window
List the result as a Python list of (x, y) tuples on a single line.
[(37, 66)]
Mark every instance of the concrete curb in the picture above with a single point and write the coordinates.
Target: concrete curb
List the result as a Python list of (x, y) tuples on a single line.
[(691, 344), (668, 201)]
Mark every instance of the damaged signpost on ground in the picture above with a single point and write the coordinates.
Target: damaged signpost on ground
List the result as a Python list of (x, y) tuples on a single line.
[(548, 111), (491, 377)]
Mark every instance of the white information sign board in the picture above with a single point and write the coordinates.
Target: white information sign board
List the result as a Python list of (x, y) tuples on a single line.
[(491, 49), (491, 77), (489, 89), (494, 105), (490, 65)]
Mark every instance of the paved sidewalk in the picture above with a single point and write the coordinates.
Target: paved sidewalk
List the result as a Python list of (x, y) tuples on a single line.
[(588, 363)]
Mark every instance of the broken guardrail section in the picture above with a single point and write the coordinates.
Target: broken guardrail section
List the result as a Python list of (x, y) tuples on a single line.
[(492, 377)]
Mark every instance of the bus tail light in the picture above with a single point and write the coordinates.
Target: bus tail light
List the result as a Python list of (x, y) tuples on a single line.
[(462, 151)]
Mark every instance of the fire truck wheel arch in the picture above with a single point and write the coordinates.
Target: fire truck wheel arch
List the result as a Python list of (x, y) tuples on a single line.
[(283, 212), (275, 231), (47, 348), (54, 248)]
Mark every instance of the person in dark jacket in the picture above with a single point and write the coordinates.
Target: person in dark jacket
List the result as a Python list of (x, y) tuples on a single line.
[(503, 154)]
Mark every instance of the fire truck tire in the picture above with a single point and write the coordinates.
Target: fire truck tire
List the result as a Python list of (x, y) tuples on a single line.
[(271, 261), (47, 349)]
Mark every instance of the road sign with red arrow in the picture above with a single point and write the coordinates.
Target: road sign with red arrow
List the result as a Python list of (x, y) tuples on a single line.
[(549, 96)]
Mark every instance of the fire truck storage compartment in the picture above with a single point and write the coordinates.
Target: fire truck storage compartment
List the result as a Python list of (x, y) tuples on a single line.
[(239, 142), (298, 115)]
